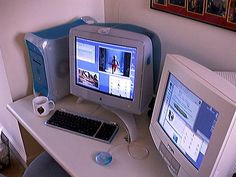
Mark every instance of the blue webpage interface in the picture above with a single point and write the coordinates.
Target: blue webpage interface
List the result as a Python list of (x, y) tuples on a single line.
[(105, 67), (187, 120)]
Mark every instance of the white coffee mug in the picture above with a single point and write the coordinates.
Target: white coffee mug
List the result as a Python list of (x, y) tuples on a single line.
[(42, 105)]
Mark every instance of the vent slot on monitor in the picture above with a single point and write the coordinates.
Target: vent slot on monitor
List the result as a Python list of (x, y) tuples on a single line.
[(173, 164)]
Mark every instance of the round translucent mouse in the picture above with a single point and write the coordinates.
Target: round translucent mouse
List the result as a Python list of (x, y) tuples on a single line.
[(103, 158)]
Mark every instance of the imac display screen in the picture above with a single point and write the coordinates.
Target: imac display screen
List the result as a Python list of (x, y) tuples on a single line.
[(187, 120), (106, 68)]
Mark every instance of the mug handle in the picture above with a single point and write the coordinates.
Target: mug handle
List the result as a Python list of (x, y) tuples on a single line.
[(51, 105)]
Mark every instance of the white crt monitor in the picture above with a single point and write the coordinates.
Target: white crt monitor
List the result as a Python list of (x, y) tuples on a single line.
[(193, 121), (111, 67)]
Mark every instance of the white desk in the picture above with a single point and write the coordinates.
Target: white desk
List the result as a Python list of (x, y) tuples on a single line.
[(76, 153)]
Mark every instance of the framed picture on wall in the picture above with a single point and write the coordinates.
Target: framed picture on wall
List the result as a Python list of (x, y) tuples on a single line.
[(196, 6), (178, 3), (231, 18), (161, 2), (221, 13), (217, 7)]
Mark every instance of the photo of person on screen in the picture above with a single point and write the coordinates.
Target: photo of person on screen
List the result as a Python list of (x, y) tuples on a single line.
[(114, 64)]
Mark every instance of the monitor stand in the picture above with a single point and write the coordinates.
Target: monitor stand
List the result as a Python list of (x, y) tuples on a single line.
[(129, 121)]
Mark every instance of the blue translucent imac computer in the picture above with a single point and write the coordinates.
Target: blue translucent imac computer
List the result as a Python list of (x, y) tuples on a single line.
[(194, 120), (48, 52)]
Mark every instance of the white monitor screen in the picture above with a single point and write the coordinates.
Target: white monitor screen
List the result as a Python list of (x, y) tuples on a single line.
[(187, 120), (106, 68)]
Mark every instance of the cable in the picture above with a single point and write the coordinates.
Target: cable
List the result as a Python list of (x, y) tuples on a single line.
[(137, 145), (135, 150), (138, 157)]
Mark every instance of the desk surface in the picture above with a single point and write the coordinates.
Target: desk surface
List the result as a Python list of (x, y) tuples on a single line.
[(76, 153)]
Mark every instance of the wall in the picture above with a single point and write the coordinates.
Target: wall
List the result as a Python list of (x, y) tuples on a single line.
[(21, 16), (7, 121), (209, 45), (18, 17)]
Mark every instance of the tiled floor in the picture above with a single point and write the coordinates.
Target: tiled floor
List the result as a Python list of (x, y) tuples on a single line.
[(15, 169)]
